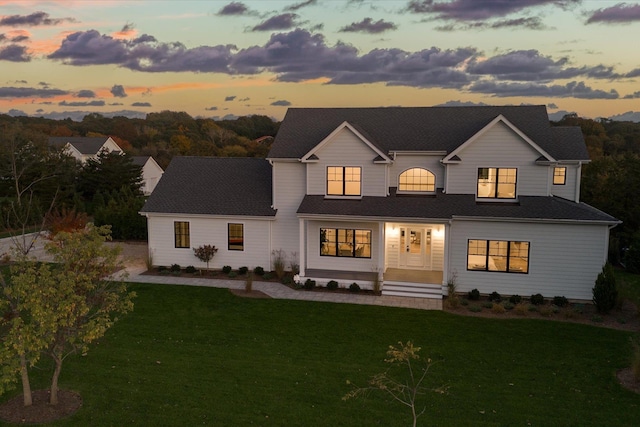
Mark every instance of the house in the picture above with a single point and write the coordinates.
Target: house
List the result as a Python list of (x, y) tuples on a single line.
[(85, 148), (151, 172), (407, 197)]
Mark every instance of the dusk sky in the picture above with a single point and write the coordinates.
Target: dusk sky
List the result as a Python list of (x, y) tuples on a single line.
[(222, 58)]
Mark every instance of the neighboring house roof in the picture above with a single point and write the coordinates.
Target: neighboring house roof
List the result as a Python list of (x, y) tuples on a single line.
[(418, 128), (213, 186), (447, 206), (142, 161), (85, 145)]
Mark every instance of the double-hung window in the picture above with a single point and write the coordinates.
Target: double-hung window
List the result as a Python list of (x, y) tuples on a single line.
[(559, 175), (497, 183), (181, 234), (498, 255), (235, 237), (344, 181)]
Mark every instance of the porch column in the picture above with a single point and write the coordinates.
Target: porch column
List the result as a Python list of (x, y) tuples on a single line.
[(445, 267), (381, 250), (302, 240)]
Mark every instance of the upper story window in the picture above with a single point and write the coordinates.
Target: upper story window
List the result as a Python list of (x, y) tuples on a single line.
[(344, 181), (417, 180), (497, 183), (559, 175), (181, 234)]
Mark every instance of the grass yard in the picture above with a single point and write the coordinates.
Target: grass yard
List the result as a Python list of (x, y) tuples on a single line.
[(629, 286), (201, 356)]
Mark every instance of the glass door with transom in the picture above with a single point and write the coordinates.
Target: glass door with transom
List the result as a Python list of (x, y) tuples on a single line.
[(415, 247)]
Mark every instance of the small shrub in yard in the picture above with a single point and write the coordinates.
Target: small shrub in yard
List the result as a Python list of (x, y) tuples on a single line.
[(332, 285), (243, 270), (279, 262), (267, 276), (205, 253), (161, 268), (474, 295), (232, 275), (354, 287), (515, 299), (596, 319), (569, 313), (175, 268), (464, 302), (487, 304), (226, 269), (495, 297), (190, 269), (475, 308), (578, 308), (560, 301), (508, 305), (537, 299), (248, 283), (545, 311), (452, 291), (309, 284), (498, 309), (287, 280), (258, 271), (605, 293), (532, 307), (521, 309)]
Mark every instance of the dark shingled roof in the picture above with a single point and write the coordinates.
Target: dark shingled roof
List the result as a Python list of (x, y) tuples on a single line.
[(447, 206), (569, 143), (85, 145), (140, 160), (418, 128), (213, 186)]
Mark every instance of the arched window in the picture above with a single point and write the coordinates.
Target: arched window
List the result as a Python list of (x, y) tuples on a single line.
[(417, 180)]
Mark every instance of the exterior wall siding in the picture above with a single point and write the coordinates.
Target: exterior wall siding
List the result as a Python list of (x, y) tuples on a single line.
[(404, 162), (209, 231), (151, 174), (499, 147), (346, 149), (315, 260), (568, 190), (289, 190), (564, 259)]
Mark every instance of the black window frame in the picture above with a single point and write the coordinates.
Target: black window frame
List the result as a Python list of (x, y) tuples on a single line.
[(564, 175), (400, 190), (353, 243), (482, 175), (181, 232), (508, 256), (229, 243), (344, 182)]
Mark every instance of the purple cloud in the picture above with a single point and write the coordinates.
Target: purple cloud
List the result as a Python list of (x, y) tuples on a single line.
[(532, 23), (570, 90), (82, 103), (229, 98), (633, 73), (34, 19), (19, 39), (233, 8), (297, 6), (552, 106), (633, 95), (479, 10), (141, 104), (621, 12), (368, 26), (118, 91), (278, 22), (85, 93), (91, 48), (281, 103), (14, 53)]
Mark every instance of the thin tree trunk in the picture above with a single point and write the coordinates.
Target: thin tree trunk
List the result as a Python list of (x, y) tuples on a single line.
[(26, 385), (53, 398)]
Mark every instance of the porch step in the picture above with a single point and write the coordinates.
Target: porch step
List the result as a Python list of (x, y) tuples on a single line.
[(414, 290)]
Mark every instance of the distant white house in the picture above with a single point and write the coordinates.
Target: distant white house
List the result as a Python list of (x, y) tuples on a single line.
[(85, 148)]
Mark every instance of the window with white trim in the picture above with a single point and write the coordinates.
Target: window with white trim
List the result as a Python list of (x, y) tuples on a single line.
[(235, 237), (559, 175)]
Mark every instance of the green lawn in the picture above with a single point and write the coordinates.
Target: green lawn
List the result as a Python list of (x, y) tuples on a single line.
[(629, 286), (201, 356)]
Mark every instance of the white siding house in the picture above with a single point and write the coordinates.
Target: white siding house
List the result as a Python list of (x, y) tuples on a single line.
[(402, 197)]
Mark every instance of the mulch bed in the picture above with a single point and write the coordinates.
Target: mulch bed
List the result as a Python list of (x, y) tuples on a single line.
[(40, 412)]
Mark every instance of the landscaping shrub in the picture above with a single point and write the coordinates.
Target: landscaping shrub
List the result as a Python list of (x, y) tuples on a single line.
[(354, 287), (515, 299), (309, 284), (248, 283), (190, 269), (452, 291), (175, 268), (605, 293), (532, 307), (464, 302), (521, 309), (243, 270), (286, 280), (545, 311), (267, 276), (332, 285), (596, 319), (226, 269), (474, 295), (232, 274), (560, 301), (498, 309), (537, 299), (495, 297), (475, 308), (279, 262), (161, 268), (487, 304), (508, 305), (205, 253), (258, 271)]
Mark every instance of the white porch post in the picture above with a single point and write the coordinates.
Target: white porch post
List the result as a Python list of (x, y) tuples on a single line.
[(381, 250), (445, 267), (302, 240)]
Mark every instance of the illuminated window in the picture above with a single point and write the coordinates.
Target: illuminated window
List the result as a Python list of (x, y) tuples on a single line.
[(417, 179), (343, 181), (559, 175), (236, 237), (342, 242), (498, 255), (181, 233), (497, 183)]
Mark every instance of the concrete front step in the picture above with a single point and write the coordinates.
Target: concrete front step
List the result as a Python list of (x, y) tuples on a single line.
[(414, 290)]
